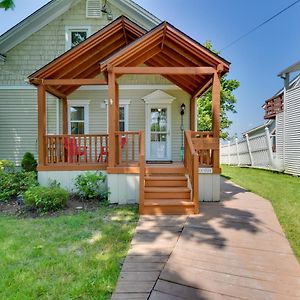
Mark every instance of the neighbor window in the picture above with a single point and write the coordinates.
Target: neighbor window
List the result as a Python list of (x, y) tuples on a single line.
[(76, 35), (78, 118)]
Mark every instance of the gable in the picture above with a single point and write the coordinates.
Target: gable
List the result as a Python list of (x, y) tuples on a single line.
[(55, 9)]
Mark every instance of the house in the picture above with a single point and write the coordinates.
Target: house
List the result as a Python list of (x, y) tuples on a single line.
[(276, 143), (112, 88)]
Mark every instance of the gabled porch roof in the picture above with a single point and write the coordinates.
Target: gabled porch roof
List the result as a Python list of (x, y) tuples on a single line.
[(82, 61), (166, 46)]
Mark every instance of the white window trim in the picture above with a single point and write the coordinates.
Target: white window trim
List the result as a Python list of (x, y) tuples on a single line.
[(69, 29), (122, 103), (80, 103)]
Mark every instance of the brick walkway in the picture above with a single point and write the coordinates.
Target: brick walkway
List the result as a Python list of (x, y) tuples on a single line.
[(234, 249)]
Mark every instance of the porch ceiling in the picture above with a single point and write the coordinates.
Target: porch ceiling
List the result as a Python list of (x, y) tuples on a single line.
[(83, 60), (166, 46)]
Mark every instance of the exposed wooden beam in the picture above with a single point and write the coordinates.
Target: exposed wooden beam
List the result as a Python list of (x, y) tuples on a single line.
[(41, 104), (216, 90), (111, 119), (77, 81), (203, 88), (65, 116), (193, 114), (53, 91), (165, 70)]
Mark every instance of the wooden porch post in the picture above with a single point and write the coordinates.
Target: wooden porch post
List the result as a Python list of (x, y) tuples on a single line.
[(65, 115), (193, 113), (216, 90), (112, 95), (41, 104)]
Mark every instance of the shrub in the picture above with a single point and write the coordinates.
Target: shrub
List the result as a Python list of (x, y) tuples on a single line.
[(92, 185), (44, 199), (29, 163), (7, 166), (15, 183)]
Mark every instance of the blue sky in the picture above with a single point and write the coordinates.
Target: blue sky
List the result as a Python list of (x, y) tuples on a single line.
[(256, 60)]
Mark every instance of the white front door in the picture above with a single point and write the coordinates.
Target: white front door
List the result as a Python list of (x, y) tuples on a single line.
[(158, 132)]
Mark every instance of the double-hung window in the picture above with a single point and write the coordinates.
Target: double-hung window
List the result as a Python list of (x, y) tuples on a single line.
[(123, 114), (78, 117)]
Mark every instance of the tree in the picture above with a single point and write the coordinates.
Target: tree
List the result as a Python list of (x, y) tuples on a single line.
[(7, 4), (227, 103)]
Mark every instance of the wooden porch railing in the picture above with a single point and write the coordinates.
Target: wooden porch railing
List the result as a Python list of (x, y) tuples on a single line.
[(76, 149), (208, 149), (128, 147), (191, 163), (142, 170)]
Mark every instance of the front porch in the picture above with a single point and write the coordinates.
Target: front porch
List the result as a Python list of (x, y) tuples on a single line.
[(166, 52)]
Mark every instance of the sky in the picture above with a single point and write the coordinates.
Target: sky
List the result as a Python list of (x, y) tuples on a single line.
[(255, 60)]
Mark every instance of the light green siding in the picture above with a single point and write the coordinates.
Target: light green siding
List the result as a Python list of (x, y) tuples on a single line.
[(18, 110)]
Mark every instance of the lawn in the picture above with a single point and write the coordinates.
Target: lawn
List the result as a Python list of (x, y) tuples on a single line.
[(282, 190), (64, 257)]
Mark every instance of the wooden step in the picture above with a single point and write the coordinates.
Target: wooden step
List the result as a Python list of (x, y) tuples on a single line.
[(168, 202), (167, 193), (165, 170), (165, 181), (168, 206)]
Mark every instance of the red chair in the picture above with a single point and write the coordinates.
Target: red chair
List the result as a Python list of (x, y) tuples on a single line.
[(72, 150), (103, 152)]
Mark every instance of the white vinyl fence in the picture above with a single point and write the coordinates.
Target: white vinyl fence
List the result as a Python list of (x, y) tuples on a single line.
[(253, 151)]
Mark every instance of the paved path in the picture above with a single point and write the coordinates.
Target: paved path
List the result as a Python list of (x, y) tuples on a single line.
[(234, 249)]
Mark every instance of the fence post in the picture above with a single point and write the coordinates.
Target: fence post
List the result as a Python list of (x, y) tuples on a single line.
[(228, 147), (270, 152), (249, 149), (237, 151)]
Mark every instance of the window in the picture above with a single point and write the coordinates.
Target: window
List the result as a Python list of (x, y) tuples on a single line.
[(123, 118), (123, 114), (78, 117), (76, 35)]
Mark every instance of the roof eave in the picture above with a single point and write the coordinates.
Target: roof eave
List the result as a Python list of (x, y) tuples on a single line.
[(33, 23)]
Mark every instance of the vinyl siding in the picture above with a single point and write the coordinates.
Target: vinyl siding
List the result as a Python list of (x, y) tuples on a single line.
[(136, 112), (279, 135), (292, 131), (18, 123), (49, 42)]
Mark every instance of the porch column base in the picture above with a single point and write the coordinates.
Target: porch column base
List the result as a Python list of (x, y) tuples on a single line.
[(209, 187)]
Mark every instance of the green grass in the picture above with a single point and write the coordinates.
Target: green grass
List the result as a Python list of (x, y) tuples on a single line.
[(64, 257), (282, 190)]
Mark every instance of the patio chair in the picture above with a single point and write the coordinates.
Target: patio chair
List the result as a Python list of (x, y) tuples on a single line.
[(72, 150), (104, 153)]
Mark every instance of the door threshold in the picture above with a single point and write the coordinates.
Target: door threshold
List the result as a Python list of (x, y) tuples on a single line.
[(157, 162)]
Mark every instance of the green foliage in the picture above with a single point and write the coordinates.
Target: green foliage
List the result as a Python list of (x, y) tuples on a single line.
[(29, 163), (7, 4), (44, 199), (92, 185), (64, 257), (14, 183), (228, 101), (7, 166)]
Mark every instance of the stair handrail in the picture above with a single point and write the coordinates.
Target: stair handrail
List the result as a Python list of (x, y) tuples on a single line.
[(142, 170), (191, 163)]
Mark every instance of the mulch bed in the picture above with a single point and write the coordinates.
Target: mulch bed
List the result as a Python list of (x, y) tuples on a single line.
[(73, 206)]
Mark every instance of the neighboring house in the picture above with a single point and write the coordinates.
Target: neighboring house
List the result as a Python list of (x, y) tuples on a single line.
[(112, 88), (276, 143)]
